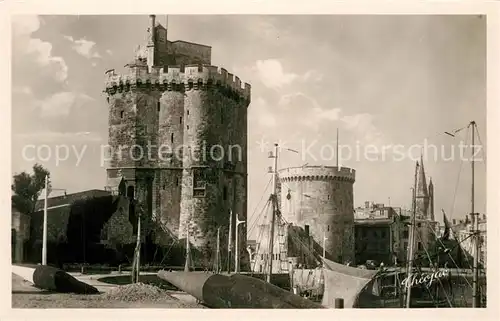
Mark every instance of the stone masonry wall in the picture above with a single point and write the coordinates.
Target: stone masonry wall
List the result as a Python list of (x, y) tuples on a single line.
[(214, 120), (322, 197), (187, 110)]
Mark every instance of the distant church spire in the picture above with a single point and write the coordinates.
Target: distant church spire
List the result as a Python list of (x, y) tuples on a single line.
[(422, 192)]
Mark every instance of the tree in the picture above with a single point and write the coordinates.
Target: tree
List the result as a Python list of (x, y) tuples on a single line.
[(27, 189)]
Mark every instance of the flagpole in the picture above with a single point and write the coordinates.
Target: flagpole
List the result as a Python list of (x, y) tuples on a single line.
[(230, 241), (412, 241), (45, 210)]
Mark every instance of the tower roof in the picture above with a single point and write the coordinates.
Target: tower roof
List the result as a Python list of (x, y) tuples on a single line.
[(421, 181)]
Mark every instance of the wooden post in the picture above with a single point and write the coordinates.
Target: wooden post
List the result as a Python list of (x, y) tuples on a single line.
[(339, 303)]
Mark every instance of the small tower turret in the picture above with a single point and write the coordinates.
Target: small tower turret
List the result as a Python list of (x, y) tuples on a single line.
[(151, 42)]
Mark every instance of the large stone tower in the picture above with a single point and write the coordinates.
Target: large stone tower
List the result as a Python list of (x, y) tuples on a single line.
[(178, 137), (320, 198)]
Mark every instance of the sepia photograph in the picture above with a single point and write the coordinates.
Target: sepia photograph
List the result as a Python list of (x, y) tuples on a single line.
[(217, 161)]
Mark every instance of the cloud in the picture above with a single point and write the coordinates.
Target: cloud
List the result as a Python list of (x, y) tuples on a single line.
[(299, 109), (61, 104), (312, 75), (24, 90), (85, 48), (363, 126), (54, 136), (306, 110), (23, 27), (43, 56), (272, 75), (261, 114)]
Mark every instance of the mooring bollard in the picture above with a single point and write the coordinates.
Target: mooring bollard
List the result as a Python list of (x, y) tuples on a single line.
[(120, 269), (339, 303)]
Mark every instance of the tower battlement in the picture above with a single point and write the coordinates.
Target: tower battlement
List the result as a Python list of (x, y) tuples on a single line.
[(169, 78), (317, 173)]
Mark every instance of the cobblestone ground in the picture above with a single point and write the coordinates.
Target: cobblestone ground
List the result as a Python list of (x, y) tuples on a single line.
[(26, 296)]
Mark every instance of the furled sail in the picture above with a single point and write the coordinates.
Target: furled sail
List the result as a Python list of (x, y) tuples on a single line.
[(341, 281)]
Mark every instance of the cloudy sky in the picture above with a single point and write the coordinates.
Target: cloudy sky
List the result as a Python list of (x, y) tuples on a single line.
[(381, 80)]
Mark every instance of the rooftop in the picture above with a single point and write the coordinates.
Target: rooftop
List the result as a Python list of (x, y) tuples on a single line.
[(65, 200)]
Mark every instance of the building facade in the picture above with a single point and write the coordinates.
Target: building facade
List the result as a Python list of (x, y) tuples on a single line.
[(178, 139), (462, 231), (383, 232), (377, 229), (20, 234)]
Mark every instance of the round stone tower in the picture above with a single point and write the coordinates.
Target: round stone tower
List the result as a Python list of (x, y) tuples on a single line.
[(320, 199), (191, 122)]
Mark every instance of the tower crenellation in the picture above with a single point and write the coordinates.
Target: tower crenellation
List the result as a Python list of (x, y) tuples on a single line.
[(176, 78)]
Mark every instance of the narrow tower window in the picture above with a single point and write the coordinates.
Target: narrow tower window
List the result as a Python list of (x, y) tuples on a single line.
[(188, 112), (158, 106), (177, 181), (180, 120), (172, 138), (199, 183), (224, 193), (130, 192), (121, 114)]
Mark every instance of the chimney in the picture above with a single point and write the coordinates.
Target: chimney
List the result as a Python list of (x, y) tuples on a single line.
[(367, 204), (306, 228)]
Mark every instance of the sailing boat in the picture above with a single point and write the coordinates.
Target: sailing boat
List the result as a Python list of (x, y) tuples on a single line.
[(360, 290), (460, 283)]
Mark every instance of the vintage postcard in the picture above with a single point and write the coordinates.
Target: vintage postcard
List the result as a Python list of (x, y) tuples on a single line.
[(168, 159)]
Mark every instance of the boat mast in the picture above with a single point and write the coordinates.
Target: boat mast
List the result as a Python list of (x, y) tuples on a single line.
[(412, 240), (230, 241), (217, 257), (273, 216), (187, 264), (475, 230)]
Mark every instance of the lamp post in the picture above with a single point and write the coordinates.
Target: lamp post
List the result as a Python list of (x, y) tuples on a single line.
[(324, 244), (44, 238), (237, 246), (45, 218)]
